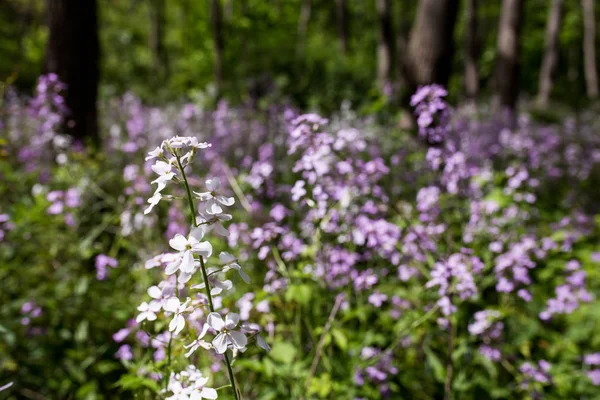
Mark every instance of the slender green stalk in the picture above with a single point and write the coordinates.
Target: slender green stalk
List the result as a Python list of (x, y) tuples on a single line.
[(205, 275)]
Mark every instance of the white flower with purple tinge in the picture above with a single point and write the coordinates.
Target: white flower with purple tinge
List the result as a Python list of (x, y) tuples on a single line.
[(227, 335), (147, 312), (213, 199), (175, 306), (187, 247), (190, 384)]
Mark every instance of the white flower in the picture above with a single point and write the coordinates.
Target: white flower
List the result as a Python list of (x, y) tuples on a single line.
[(298, 191), (157, 152), (9, 384), (199, 342), (227, 335), (215, 222), (161, 293), (231, 263), (153, 201), (214, 200), (217, 286), (187, 248), (190, 385), (163, 169), (148, 312), (174, 305), (254, 329)]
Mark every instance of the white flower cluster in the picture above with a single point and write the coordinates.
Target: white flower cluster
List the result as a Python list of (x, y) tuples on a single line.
[(168, 155), (188, 261), (189, 384)]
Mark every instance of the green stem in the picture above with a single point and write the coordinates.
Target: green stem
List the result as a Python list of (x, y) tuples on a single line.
[(204, 274)]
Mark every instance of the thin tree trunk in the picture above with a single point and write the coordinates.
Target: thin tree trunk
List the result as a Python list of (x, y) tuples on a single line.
[(73, 53), (431, 43), (385, 43), (471, 51), (160, 57), (589, 48), (342, 24), (303, 21), (508, 53), (216, 16), (550, 60)]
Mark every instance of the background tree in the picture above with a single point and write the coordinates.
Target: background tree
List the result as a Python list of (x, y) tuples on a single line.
[(303, 21), (431, 43), (160, 57), (385, 43), (342, 24), (589, 48), (73, 53), (471, 51), (550, 60), (216, 17), (508, 52)]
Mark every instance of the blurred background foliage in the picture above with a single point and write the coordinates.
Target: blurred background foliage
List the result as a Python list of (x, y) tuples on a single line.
[(267, 56)]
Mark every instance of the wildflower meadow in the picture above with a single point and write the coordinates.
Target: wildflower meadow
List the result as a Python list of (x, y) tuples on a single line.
[(414, 245)]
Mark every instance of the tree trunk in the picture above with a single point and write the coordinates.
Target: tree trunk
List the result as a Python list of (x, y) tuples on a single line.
[(342, 24), (73, 53), (303, 21), (216, 16), (550, 60), (431, 44), (471, 51), (508, 52), (160, 57), (385, 43), (589, 48)]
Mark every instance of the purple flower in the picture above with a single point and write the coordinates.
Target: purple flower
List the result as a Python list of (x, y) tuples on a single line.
[(377, 299), (121, 334), (592, 359), (594, 376), (102, 262), (124, 353)]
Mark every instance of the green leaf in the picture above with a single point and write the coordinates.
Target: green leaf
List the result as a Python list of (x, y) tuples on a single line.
[(283, 352), (340, 339), (81, 333), (436, 365)]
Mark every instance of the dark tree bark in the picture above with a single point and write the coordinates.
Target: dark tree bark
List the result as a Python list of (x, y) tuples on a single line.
[(385, 43), (508, 53), (471, 51), (216, 17), (160, 57), (589, 48), (342, 24), (431, 44), (550, 60), (303, 21), (73, 53)]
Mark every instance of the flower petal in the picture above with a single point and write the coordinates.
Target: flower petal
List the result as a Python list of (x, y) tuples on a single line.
[(209, 393), (213, 184), (187, 263), (197, 233), (203, 248), (155, 292), (178, 242), (238, 339), (226, 201), (215, 321), (212, 207), (173, 266), (231, 320), (172, 304), (226, 257), (220, 343)]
